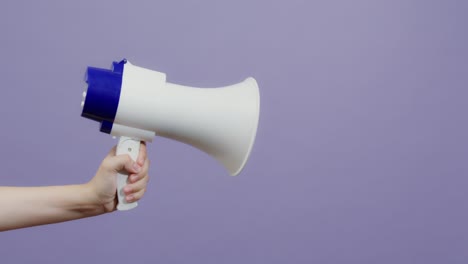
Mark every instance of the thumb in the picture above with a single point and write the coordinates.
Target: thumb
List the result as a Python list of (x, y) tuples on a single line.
[(123, 162)]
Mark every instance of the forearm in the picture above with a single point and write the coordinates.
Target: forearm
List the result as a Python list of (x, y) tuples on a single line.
[(30, 206)]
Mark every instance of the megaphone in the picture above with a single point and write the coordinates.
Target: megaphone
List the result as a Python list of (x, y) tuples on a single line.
[(136, 104)]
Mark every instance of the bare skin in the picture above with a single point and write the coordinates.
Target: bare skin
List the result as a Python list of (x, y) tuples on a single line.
[(22, 207)]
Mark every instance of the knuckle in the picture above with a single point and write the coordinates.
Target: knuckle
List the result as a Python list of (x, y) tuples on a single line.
[(137, 196), (140, 194), (147, 178)]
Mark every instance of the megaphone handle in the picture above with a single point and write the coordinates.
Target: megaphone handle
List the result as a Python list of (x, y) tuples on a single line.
[(131, 147)]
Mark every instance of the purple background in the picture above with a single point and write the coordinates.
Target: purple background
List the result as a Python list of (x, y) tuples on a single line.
[(361, 154)]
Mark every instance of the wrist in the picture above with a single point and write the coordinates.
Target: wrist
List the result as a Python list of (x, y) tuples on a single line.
[(90, 204)]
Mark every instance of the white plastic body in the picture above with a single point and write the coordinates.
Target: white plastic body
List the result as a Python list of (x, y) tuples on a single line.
[(222, 122), (131, 147), (121, 130)]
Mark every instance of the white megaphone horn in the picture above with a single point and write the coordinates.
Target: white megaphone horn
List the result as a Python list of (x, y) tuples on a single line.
[(137, 104)]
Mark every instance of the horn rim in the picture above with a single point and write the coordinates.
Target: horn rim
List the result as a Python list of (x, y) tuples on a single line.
[(252, 83)]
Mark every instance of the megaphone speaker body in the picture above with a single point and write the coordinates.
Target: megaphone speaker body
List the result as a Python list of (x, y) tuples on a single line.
[(137, 103)]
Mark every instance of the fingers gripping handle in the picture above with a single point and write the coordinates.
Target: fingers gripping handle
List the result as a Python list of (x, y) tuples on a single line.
[(131, 147)]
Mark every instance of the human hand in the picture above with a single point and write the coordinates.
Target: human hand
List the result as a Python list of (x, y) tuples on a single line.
[(103, 186), (32, 206)]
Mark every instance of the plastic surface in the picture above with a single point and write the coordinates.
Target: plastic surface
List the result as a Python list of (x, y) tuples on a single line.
[(106, 127), (131, 147), (222, 121), (136, 102), (256, 98), (121, 130), (101, 98)]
